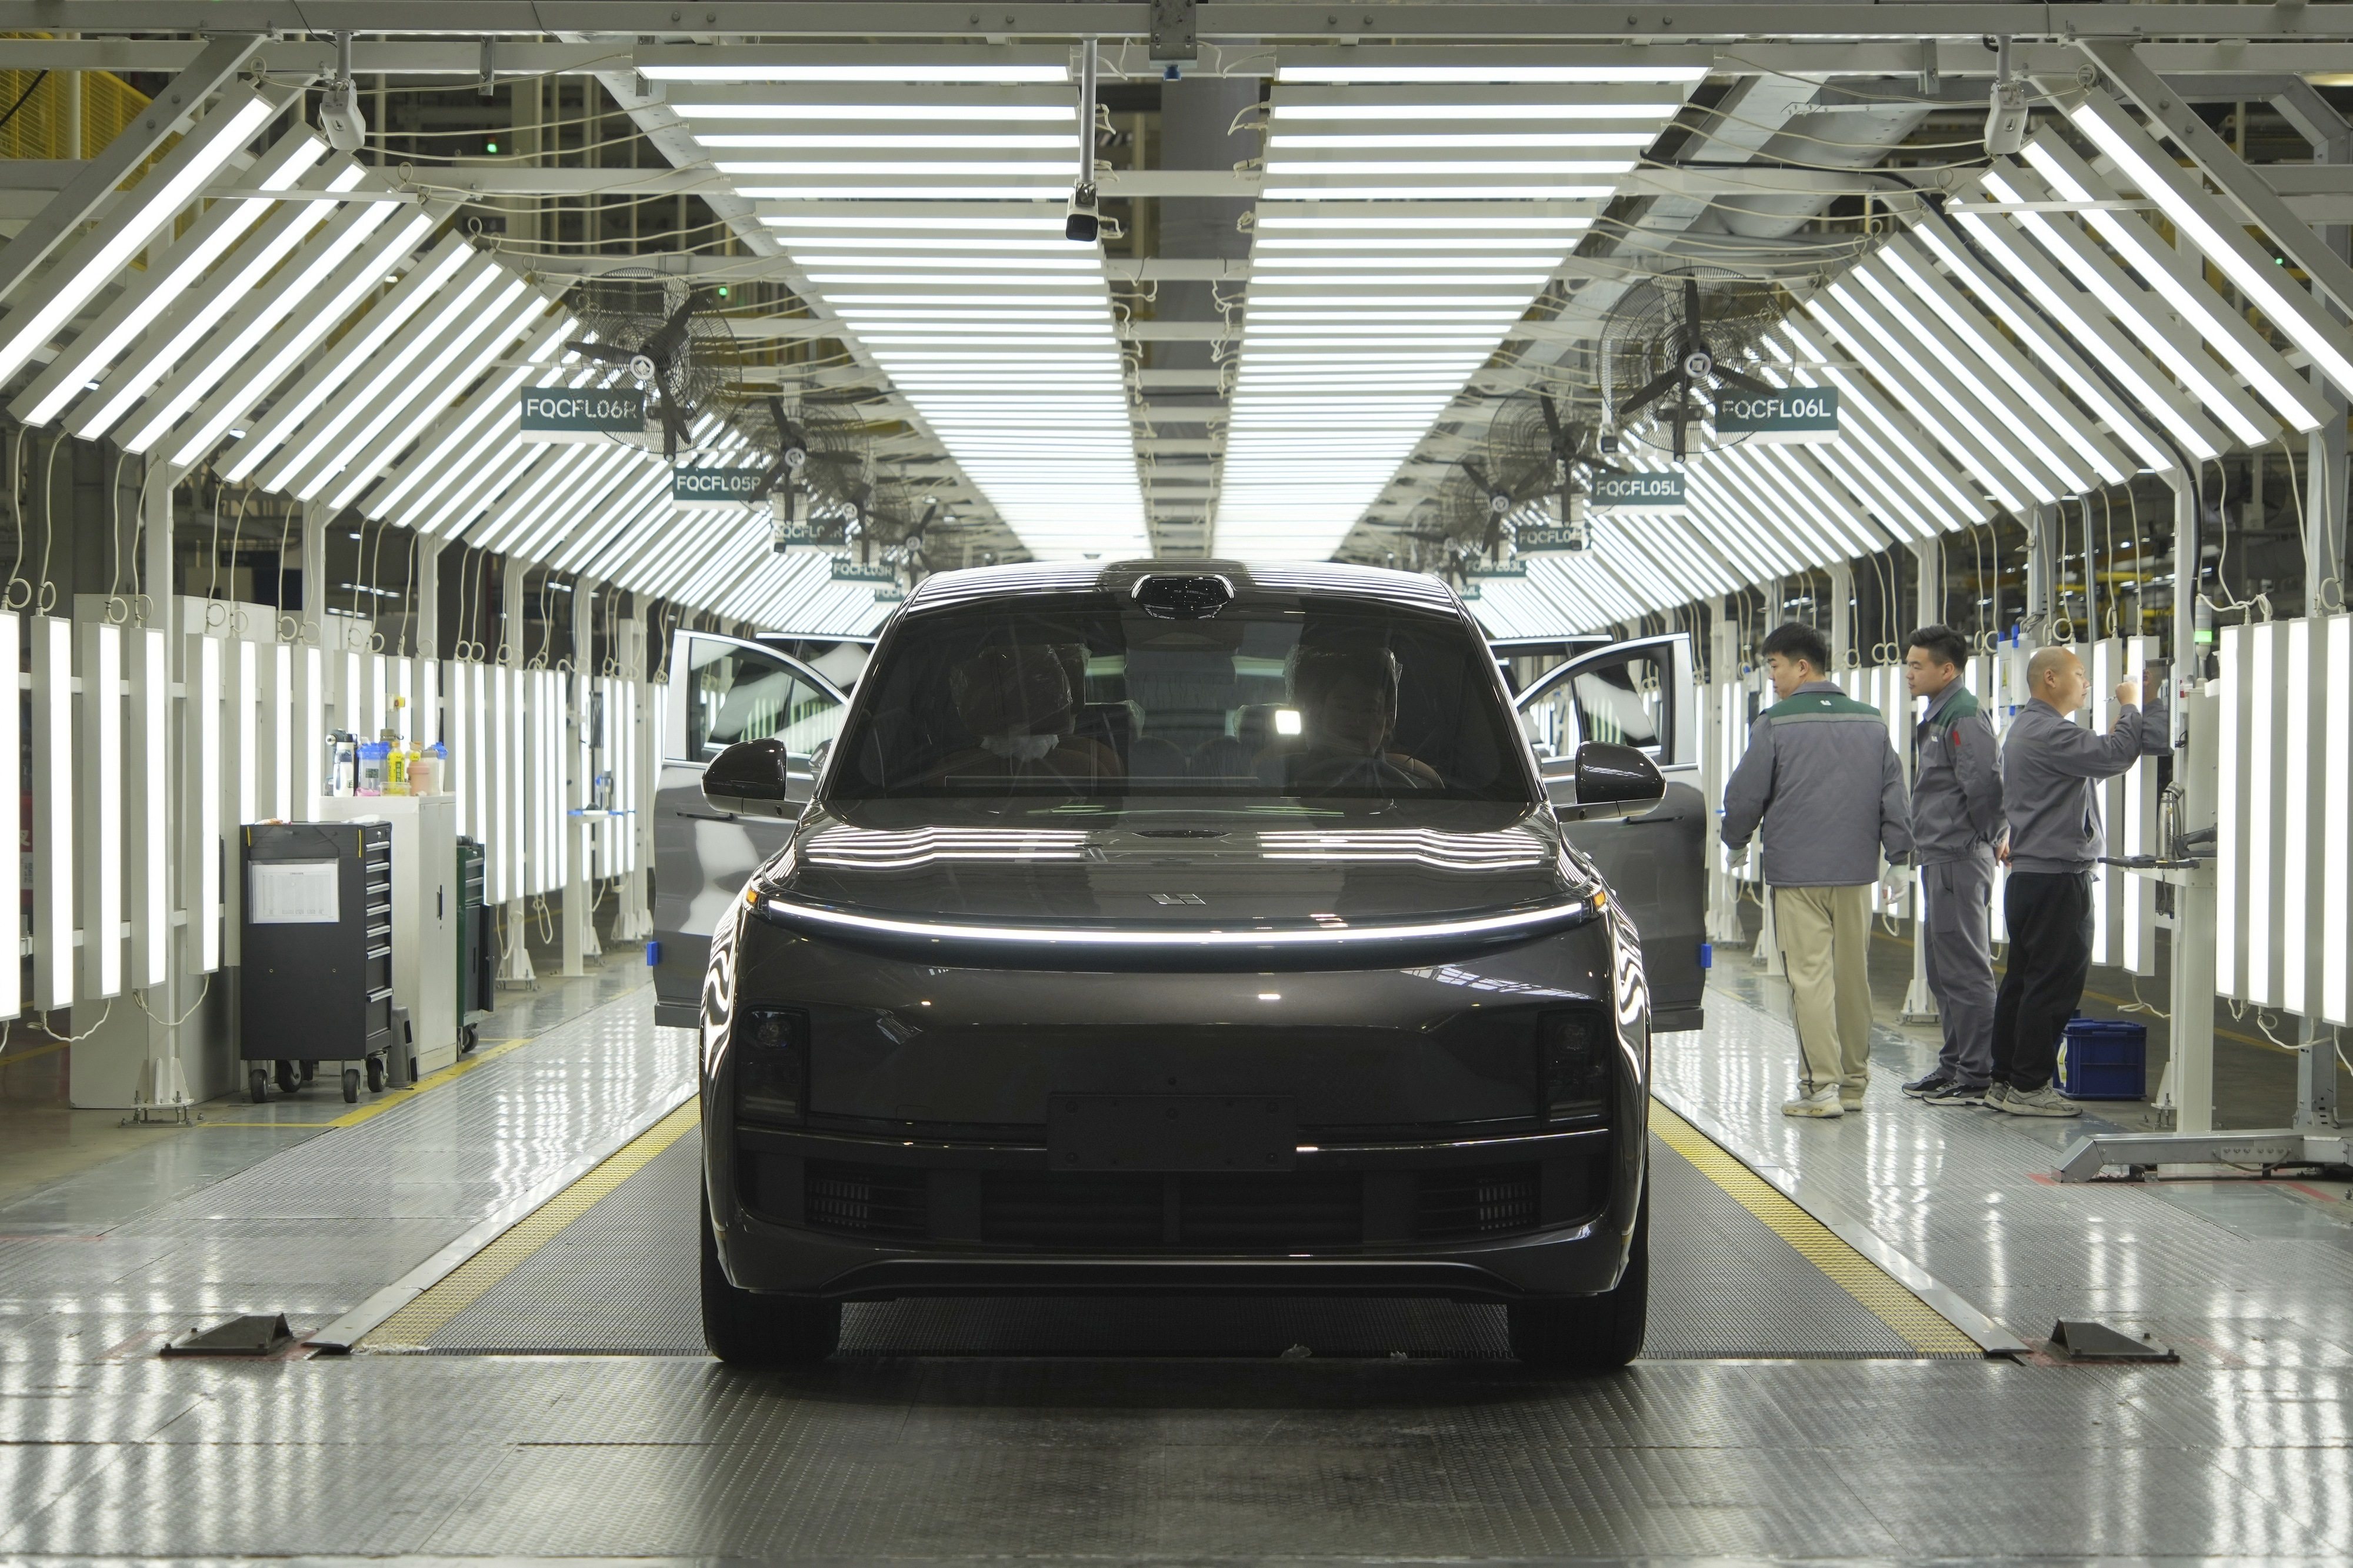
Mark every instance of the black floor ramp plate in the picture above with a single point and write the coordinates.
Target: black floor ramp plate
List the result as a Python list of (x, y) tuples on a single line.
[(253, 1334), (2082, 1340), (621, 1280)]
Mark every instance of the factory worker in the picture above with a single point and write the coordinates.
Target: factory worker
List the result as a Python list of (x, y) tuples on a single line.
[(1956, 822)]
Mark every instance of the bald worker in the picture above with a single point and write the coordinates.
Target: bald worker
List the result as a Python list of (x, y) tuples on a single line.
[(2050, 769)]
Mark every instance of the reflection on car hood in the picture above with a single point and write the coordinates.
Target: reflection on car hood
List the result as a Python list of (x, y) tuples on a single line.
[(1175, 868)]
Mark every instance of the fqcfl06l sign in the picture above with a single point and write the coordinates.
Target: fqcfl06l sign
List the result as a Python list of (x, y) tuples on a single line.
[(1793, 413), (1622, 494), (710, 488), (577, 415)]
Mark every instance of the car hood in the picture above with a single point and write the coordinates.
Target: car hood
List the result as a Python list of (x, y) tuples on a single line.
[(1178, 869)]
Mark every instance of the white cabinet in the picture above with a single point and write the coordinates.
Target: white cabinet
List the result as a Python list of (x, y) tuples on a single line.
[(424, 912)]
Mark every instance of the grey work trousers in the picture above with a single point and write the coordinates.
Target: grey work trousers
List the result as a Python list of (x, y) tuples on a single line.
[(1957, 954)]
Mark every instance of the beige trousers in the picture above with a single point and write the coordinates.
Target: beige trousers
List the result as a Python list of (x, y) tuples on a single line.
[(1825, 936)]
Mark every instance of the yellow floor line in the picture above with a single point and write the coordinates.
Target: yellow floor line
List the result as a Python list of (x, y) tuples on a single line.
[(394, 1098), (416, 1323), (1919, 1325)]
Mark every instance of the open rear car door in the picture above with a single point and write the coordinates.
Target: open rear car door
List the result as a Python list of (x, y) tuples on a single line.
[(1638, 694)]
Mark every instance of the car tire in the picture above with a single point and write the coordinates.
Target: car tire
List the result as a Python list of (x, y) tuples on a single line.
[(1591, 1333), (746, 1328)]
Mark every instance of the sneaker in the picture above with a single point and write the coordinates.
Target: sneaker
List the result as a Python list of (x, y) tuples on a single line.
[(1958, 1094), (1995, 1093), (2045, 1101), (1823, 1103), (1927, 1087), (1851, 1100)]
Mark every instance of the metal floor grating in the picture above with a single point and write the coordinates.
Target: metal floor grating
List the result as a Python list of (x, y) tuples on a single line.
[(621, 1279)]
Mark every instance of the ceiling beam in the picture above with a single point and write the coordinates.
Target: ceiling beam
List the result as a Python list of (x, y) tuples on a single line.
[(1264, 20)]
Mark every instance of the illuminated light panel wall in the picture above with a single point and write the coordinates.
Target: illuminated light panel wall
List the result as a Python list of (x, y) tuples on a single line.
[(1406, 221), (923, 205)]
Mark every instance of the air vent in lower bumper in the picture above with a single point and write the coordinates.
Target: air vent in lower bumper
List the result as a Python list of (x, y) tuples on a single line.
[(1273, 1213)]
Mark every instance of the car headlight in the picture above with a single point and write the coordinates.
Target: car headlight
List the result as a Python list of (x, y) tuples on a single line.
[(1574, 1050), (771, 1064)]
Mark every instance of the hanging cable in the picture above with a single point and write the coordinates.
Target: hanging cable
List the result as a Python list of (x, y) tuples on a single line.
[(16, 520)]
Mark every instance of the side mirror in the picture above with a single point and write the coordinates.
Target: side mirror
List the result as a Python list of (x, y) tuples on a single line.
[(750, 778), (1612, 781)]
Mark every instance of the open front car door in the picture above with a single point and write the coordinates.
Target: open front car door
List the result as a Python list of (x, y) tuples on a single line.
[(1637, 694)]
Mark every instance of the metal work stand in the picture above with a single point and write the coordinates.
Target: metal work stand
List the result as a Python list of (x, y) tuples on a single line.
[(2315, 1139)]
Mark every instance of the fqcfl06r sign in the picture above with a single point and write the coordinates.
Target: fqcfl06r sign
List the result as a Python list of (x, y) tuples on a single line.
[(1792, 413), (576, 415), (708, 489), (1624, 493)]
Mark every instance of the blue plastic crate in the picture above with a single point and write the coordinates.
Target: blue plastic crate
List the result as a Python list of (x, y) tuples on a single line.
[(2103, 1058)]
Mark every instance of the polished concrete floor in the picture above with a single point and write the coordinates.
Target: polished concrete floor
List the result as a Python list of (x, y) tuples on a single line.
[(2244, 1449)]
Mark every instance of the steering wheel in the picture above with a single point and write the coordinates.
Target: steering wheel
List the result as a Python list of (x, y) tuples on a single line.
[(1353, 773)]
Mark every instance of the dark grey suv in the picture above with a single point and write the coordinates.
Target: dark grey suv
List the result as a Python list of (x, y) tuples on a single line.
[(1178, 926)]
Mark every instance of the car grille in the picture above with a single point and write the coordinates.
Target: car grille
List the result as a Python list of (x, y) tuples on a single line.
[(1286, 1212)]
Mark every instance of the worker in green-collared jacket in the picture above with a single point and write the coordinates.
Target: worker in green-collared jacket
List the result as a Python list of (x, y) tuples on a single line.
[(1822, 782)]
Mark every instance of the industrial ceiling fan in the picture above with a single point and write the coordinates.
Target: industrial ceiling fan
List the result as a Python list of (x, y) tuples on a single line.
[(1674, 342), (660, 332)]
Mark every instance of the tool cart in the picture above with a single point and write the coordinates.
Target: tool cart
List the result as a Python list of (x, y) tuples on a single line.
[(316, 984)]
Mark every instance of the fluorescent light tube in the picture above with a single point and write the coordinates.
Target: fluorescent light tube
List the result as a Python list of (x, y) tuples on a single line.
[(148, 295), (328, 380), (281, 298), (16, 787), (229, 286), (171, 184), (2221, 238)]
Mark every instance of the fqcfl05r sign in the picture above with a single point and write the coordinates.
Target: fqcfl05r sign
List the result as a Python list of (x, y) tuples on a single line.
[(1625, 493), (576, 415), (1792, 413), (708, 489)]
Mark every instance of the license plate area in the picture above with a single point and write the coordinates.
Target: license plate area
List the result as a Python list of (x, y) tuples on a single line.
[(1172, 1132)]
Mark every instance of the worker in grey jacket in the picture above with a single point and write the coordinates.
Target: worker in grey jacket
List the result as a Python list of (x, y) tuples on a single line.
[(1821, 780), (1956, 822), (2051, 772)]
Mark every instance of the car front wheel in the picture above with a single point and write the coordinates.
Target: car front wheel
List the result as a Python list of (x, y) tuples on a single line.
[(746, 1328), (1591, 1333)]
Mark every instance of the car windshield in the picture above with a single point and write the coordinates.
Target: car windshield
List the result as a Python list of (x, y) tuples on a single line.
[(1086, 695)]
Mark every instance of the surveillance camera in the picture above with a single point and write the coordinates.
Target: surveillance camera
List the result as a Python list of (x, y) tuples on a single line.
[(339, 117), (1080, 220), (2005, 130)]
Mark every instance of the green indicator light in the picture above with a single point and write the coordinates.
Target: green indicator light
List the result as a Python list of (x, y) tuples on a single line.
[(490, 146), (722, 290)]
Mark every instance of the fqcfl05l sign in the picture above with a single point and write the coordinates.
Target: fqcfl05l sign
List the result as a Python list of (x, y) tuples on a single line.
[(1622, 494), (577, 415), (1793, 413), (709, 489)]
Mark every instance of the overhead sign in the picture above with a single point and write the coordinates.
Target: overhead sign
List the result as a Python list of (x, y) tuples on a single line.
[(1624, 493), (704, 489), (576, 415), (889, 595), (1553, 538), (1487, 574), (1794, 414), (848, 571), (1556, 535)]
